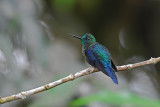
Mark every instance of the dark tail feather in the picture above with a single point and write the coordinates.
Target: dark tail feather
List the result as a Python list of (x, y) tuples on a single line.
[(112, 74), (108, 71)]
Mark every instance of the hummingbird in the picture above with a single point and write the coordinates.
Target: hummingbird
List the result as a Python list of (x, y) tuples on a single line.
[(97, 55)]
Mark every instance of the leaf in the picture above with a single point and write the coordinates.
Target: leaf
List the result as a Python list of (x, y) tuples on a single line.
[(117, 99)]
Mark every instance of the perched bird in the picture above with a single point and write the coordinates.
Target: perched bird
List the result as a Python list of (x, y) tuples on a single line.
[(98, 56)]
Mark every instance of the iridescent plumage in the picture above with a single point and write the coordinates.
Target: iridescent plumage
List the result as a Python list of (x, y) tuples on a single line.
[(98, 56)]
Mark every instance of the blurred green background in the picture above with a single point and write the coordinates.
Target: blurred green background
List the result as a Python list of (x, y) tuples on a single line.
[(35, 49)]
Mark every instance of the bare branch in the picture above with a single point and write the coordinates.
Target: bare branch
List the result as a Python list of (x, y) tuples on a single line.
[(71, 77)]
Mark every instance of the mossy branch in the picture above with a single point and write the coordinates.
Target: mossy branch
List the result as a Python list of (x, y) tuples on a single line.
[(71, 77)]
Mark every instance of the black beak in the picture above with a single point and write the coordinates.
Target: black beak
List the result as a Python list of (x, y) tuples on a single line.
[(75, 36)]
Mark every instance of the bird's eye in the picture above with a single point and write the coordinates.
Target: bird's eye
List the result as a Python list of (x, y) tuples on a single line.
[(88, 38)]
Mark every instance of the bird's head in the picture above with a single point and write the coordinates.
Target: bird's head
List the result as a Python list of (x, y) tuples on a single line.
[(86, 39)]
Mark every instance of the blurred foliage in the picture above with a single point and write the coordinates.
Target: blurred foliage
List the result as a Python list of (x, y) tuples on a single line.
[(116, 99), (35, 49)]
